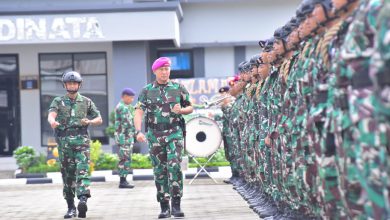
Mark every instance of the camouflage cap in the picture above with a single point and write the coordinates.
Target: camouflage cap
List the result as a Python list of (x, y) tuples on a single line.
[(294, 23), (267, 44), (327, 4), (241, 66), (254, 60), (305, 8), (282, 32)]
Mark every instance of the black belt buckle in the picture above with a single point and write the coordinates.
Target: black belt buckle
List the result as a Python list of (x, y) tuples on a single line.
[(383, 79), (79, 131), (361, 80), (322, 97), (163, 127), (342, 102)]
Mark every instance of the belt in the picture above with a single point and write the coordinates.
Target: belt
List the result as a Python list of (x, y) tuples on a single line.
[(73, 132), (342, 102), (343, 82), (383, 79), (163, 126), (322, 97), (361, 80)]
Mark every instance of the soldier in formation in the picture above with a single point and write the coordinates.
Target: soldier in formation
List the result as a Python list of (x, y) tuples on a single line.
[(310, 126)]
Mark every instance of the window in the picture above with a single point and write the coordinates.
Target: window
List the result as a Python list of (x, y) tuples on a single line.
[(93, 68), (182, 63)]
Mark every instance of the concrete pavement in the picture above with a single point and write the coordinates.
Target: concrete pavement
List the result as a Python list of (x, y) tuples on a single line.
[(202, 200)]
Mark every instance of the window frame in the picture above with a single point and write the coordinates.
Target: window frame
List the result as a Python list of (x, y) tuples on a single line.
[(107, 139), (180, 74)]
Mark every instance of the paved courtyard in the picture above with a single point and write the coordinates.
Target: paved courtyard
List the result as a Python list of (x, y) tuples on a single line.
[(202, 200)]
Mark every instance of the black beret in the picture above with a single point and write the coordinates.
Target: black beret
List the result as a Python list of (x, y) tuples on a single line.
[(224, 89), (128, 91)]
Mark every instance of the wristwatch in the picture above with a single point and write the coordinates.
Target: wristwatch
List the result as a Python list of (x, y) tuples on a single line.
[(137, 132)]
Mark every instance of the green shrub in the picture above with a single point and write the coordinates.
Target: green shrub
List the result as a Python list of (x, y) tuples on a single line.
[(110, 130), (24, 156), (218, 157), (141, 161), (211, 164), (43, 168), (107, 161), (96, 150)]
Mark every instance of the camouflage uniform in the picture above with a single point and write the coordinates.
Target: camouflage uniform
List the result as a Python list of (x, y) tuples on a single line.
[(124, 136), (73, 143), (281, 134), (236, 131), (265, 157), (252, 133), (227, 137), (369, 152), (244, 138), (274, 101), (164, 135)]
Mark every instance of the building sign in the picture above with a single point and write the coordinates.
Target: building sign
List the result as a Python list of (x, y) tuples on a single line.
[(29, 82), (50, 28), (91, 27), (203, 89)]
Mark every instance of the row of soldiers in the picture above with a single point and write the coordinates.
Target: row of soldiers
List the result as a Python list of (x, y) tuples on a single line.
[(308, 133)]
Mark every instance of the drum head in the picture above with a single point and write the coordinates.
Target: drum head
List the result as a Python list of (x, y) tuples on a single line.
[(203, 137)]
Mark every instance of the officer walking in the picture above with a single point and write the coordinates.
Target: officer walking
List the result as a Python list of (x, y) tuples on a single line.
[(164, 102), (70, 115), (124, 135)]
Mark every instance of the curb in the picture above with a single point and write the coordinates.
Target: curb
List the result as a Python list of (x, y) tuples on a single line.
[(109, 176)]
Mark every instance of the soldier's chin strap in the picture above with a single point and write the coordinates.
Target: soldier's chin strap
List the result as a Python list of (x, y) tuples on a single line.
[(72, 91)]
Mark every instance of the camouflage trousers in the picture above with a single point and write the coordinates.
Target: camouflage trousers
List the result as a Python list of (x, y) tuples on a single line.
[(74, 154), (124, 155), (228, 147), (165, 149)]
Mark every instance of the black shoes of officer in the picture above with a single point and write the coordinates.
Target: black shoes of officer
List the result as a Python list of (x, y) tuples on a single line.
[(82, 207), (165, 211), (71, 209), (124, 184), (176, 211)]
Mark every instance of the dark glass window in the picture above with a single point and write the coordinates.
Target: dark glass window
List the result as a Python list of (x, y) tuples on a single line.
[(182, 62), (93, 68)]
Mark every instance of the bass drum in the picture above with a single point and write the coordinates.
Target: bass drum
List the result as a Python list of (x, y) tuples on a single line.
[(203, 137)]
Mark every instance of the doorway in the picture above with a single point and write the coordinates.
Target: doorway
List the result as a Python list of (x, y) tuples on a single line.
[(9, 104)]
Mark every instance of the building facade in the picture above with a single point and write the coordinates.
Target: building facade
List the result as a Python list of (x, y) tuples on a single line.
[(112, 44)]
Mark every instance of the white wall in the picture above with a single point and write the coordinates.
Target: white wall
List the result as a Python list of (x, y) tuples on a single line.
[(233, 22), (251, 50), (29, 99), (219, 61)]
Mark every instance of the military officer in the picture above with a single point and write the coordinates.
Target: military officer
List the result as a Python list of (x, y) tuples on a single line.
[(164, 102), (70, 115)]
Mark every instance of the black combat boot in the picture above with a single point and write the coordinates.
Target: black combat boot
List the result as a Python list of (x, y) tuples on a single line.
[(124, 184), (165, 211), (82, 207), (71, 209), (176, 211)]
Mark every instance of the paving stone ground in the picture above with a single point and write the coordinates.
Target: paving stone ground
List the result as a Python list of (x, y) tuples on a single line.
[(202, 200)]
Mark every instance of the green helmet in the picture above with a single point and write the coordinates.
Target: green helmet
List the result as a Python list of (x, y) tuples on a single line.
[(72, 76)]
